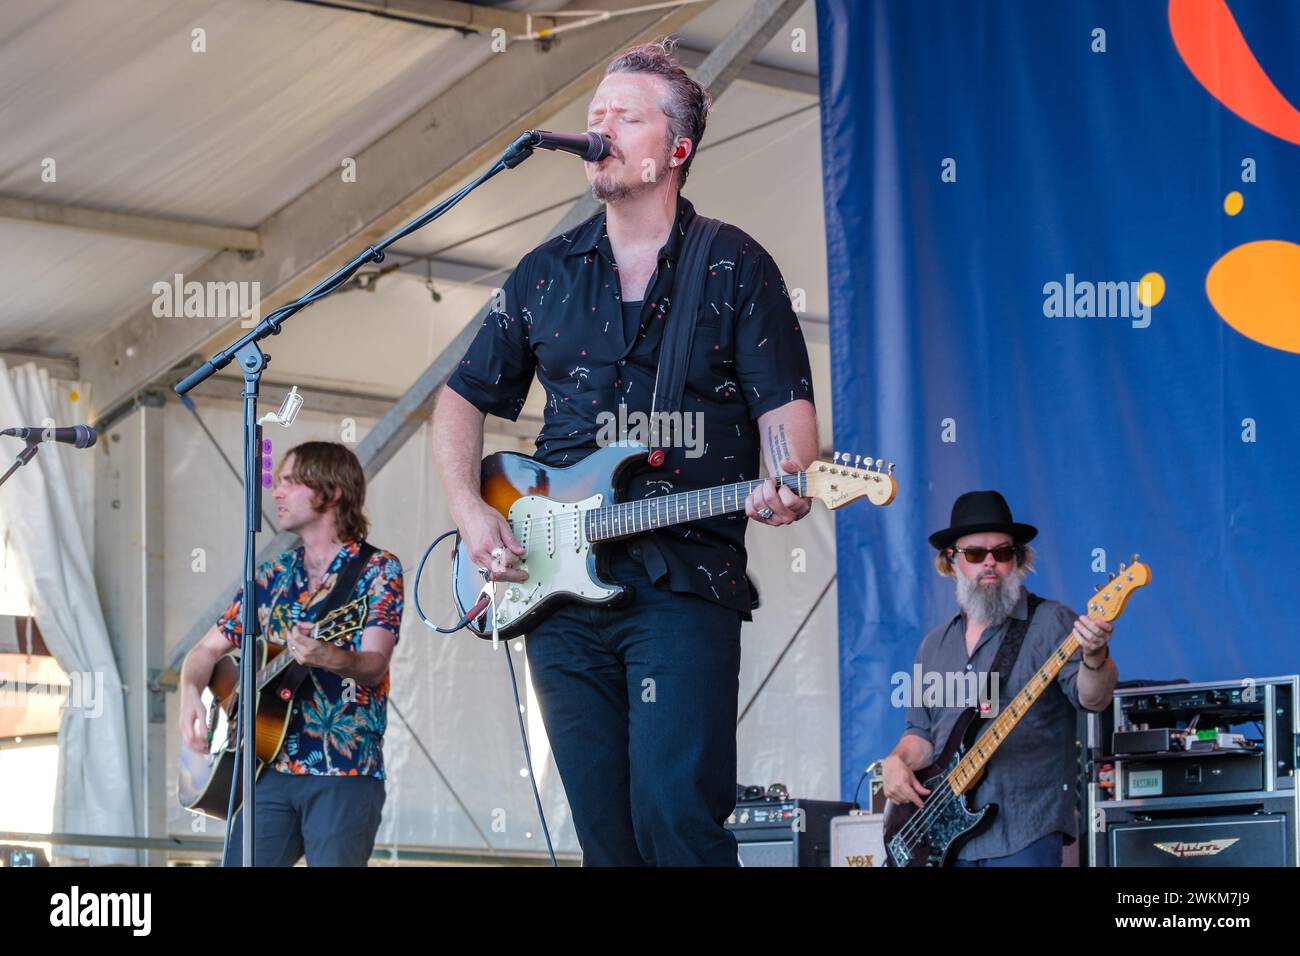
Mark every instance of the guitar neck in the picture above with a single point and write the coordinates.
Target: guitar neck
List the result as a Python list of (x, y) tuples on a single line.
[(273, 670), (969, 768), (633, 517)]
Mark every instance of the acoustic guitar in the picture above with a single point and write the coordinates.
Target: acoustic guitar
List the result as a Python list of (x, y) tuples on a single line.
[(204, 778)]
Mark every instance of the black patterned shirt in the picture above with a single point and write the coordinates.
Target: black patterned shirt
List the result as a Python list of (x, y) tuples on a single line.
[(562, 318)]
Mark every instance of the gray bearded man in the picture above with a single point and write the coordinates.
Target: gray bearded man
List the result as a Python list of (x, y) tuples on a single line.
[(1032, 775)]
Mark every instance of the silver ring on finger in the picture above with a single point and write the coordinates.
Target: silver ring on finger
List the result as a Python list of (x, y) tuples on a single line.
[(498, 552), (766, 513)]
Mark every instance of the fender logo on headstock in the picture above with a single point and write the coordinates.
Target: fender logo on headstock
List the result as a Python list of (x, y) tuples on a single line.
[(838, 482)]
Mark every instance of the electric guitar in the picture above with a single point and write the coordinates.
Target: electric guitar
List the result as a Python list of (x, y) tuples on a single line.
[(204, 778), (931, 835), (562, 516)]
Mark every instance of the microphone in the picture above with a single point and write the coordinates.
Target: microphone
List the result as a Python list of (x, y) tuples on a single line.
[(82, 436), (591, 146)]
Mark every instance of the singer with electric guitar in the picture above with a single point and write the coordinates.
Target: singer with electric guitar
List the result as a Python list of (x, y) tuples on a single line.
[(995, 784), (645, 309)]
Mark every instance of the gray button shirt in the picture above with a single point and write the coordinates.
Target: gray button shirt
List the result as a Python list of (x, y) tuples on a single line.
[(1033, 776)]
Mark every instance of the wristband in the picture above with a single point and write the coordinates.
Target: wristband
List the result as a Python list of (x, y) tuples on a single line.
[(1084, 659)]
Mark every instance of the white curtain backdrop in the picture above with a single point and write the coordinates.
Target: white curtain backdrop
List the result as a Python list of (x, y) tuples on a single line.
[(44, 512)]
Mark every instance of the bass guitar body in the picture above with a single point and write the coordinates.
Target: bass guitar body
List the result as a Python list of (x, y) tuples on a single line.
[(931, 835)]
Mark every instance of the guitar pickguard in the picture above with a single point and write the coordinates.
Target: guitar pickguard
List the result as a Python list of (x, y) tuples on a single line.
[(948, 821), (932, 836), (557, 555)]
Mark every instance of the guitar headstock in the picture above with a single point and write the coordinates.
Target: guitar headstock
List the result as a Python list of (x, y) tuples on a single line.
[(342, 621), (1109, 601), (850, 477)]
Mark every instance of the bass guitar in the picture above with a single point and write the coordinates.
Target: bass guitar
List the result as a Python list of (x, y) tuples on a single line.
[(931, 835)]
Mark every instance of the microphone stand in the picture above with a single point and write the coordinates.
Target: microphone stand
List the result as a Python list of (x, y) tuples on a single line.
[(253, 361), (24, 456)]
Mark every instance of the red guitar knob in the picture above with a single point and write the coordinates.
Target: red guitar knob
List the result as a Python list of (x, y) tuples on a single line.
[(656, 458), (285, 693)]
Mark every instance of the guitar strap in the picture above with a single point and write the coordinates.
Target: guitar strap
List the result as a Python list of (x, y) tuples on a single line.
[(675, 349), (688, 299), (345, 583), (1009, 651)]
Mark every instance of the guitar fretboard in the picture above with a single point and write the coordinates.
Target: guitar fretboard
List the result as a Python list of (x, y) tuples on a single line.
[(633, 517), (337, 624), (273, 670), (970, 766), (1114, 595)]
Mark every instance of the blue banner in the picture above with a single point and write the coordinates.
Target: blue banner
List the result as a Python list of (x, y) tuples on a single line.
[(1064, 262)]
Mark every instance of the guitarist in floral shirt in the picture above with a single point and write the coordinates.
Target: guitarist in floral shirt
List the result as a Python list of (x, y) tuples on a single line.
[(324, 792)]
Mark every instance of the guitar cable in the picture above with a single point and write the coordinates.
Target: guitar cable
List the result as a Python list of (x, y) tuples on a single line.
[(528, 759), (234, 781), (479, 607), (234, 786), (470, 615)]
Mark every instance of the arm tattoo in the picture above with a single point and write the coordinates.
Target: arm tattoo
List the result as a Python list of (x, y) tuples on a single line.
[(779, 448)]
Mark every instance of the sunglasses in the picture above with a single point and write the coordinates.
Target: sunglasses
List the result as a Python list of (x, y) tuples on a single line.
[(1002, 553)]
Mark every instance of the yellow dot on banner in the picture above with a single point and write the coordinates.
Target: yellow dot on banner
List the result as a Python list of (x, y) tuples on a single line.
[(73, 396), (1151, 289), (1233, 202)]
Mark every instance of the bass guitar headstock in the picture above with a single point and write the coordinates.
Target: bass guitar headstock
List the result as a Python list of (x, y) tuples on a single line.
[(1109, 601)]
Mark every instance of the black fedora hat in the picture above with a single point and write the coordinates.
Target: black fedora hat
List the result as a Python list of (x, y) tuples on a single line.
[(978, 511)]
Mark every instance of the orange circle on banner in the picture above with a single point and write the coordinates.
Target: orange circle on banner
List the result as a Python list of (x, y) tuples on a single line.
[(1233, 202), (1255, 288)]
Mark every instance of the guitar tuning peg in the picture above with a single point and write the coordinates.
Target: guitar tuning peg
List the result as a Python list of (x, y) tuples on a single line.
[(857, 461), (1111, 576), (1134, 559), (891, 467), (880, 463), (1098, 587), (1121, 567), (835, 458)]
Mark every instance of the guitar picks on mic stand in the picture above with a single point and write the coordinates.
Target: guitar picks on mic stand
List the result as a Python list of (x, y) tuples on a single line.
[(284, 417)]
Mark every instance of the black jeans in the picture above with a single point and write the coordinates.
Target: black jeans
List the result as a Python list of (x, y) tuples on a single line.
[(639, 704), (332, 819)]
